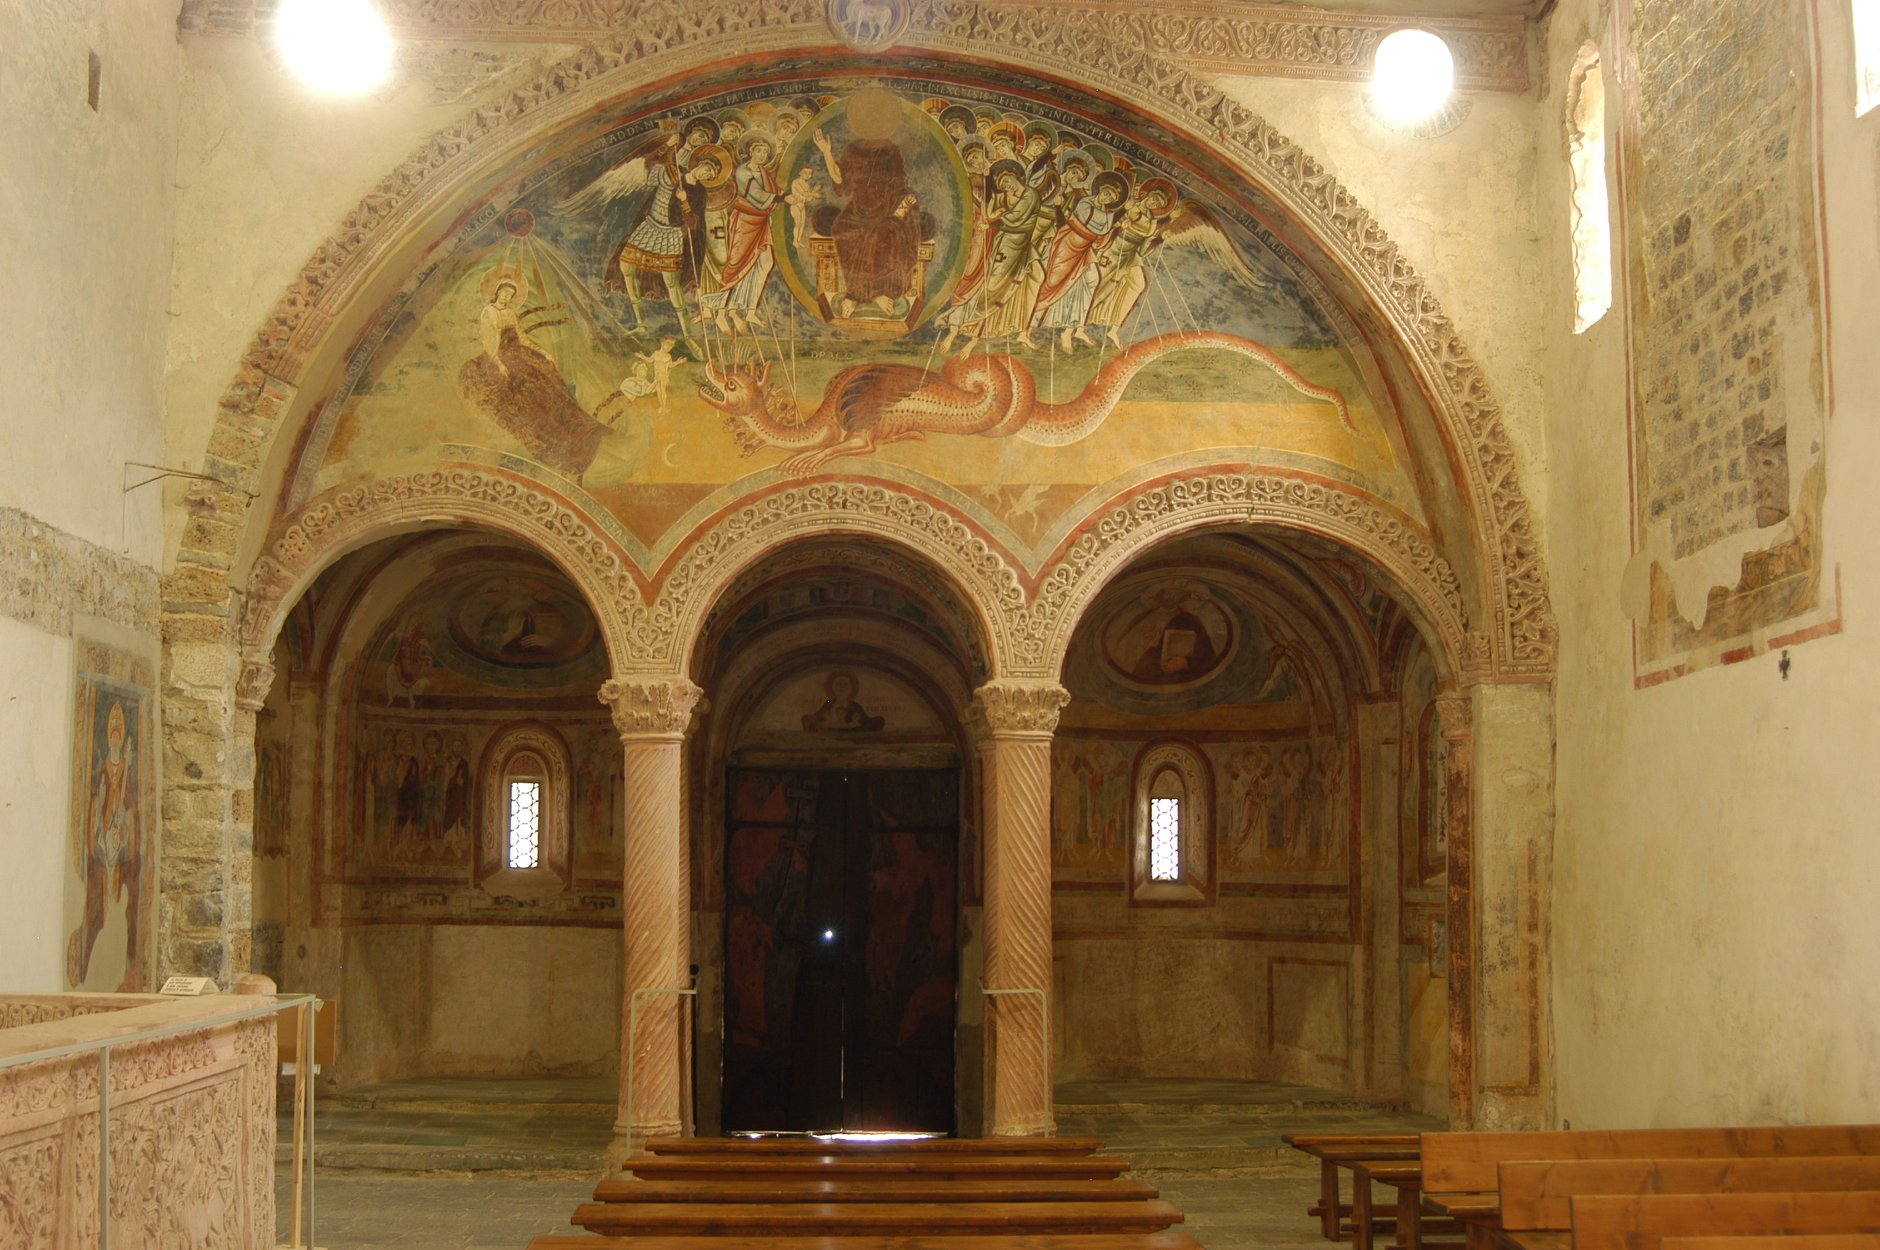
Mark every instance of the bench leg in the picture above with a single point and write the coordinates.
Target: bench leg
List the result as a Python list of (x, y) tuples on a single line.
[(1409, 1218), (1360, 1213), (1328, 1199)]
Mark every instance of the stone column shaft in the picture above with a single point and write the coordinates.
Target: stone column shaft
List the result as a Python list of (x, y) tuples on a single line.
[(1452, 715), (652, 717), (1015, 721)]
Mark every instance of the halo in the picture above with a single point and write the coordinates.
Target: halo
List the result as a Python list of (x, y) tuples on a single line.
[(500, 274), (715, 152), (874, 113)]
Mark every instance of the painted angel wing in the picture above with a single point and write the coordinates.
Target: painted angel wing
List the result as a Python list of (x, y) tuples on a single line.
[(624, 179), (1196, 226)]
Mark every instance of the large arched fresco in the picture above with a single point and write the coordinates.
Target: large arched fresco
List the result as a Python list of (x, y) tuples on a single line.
[(997, 300)]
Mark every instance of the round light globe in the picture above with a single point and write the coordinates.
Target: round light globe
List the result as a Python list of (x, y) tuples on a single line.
[(1412, 75), (336, 46)]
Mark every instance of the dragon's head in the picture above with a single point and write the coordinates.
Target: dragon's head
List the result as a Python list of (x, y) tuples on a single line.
[(735, 390), (756, 412)]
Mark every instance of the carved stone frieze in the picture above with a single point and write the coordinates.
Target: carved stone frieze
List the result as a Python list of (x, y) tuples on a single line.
[(1011, 707), (1227, 37), (658, 708), (338, 521), (1392, 541)]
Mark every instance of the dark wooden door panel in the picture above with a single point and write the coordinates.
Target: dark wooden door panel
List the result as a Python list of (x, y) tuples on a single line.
[(840, 950)]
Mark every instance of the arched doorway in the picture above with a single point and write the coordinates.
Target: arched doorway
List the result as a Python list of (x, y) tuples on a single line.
[(1248, 825), (438, 813), (834, 877)]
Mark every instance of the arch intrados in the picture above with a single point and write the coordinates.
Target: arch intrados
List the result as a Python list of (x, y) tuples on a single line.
[(316, 537), (1429, 597), (739, 597), (1286, 586), (746, 559)]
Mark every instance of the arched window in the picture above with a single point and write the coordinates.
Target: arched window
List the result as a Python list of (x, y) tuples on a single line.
[(1586, 159), (1173, 832), (523, 834), (1866, 56)]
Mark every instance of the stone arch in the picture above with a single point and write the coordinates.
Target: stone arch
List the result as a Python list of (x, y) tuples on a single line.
[(672, 36), (969, 565), (1137, 521), (312, 538)]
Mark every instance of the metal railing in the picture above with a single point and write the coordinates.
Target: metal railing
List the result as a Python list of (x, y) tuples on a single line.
[(1044, 1045), (103, 1047), (633, 1042)]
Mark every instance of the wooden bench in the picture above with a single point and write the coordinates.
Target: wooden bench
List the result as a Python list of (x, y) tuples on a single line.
[(1643, 1222), (1470, 1162), (1537, 1195), (1344, 1150), (1776, 1241), (877, 1189), (1408, 1225), (873, 1219)]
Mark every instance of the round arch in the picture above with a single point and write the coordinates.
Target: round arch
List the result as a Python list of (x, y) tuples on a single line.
[(321, 312), (1144, 518), (925, 538), (343, 520)]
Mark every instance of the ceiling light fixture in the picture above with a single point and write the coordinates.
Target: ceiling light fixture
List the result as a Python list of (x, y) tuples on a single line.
[(1412, 76), (337, 46)]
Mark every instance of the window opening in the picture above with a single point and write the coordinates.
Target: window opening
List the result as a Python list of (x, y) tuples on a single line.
[(1866, 56), (1165, 839), (525, 824), (1592, 222)]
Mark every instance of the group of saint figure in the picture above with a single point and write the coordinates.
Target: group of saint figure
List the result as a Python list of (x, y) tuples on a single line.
[(1060, 229)]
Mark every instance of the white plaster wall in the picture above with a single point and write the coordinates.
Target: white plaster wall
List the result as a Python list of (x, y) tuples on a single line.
[(266, 170), (86, 254), (1461, 207), (35, 737), (1715, 917)]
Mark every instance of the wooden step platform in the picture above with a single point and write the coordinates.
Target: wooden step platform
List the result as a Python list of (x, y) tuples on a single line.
[(877, 1189), (925, 1163), (938, 1194), (880, 1219), (1143, 1241), (795, 1145)]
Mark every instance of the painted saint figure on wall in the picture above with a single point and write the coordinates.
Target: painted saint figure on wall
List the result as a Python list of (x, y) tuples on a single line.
[(109, 851), (878, 226)]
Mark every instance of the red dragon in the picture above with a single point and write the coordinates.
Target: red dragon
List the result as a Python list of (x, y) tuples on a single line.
[(993, 395)]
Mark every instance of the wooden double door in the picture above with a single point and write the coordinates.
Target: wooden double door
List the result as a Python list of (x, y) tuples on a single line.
[(841, 961)]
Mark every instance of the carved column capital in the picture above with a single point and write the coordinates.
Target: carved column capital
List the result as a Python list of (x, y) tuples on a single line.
[(1452, 715), (253, 684), (1011, 707), (658, 708)]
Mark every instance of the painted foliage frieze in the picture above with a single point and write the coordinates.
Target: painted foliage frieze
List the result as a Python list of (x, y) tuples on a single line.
[(929, 281), (111, 880)]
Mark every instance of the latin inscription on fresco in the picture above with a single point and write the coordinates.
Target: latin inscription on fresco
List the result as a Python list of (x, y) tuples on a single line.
[(1726, 339)]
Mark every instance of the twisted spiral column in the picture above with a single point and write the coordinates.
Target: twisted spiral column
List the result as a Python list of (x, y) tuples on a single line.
[(1014, 721), (652, 717)]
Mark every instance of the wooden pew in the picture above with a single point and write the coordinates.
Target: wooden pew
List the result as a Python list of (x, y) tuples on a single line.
[(1042, 1241), (1642, 1222), (1470, 1162), (1408, 1224), (763, 1146), (1776, 1241), (875, 1189), (1343, 1150), (872, 1219), (1537, 1195), (708, 1167)]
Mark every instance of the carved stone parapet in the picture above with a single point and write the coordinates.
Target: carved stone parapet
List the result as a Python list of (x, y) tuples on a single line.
[(252, 686), (660, 708), (1011, 707)]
